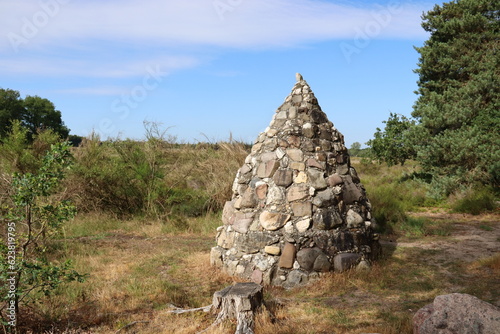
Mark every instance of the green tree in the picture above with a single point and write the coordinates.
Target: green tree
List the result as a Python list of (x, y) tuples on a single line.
[(394, 144), (41, 114), (35, 114), (11, 108), (32, 219), (458, 107)]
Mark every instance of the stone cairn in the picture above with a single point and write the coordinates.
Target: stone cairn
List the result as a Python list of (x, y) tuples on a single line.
[(298, 208)]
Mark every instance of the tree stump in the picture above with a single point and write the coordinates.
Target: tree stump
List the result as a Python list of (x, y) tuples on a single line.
[(238, 301)]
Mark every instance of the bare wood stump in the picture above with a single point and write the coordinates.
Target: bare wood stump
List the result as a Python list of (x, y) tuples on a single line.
[(239, 301)]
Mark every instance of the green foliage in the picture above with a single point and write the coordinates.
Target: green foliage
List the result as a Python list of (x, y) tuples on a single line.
[(35, 114), (394, 145), (475, 201), (458, 108), (37, 218), (138, 177), (18, 154), (11, 109), (357, 151)]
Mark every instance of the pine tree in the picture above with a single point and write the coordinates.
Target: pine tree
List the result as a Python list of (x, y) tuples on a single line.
[(458, 107)]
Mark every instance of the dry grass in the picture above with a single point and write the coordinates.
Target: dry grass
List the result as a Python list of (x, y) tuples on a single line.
[(138, 272)]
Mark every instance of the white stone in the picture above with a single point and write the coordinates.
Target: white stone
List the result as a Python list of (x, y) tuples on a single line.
[(353, 219), (240, 269), (296, 265), (300, 178), (280, 153), (303, 225), (289, 227), (312, 191)]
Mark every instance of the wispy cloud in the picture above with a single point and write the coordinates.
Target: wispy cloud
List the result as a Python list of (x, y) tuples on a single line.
[(117, 38)]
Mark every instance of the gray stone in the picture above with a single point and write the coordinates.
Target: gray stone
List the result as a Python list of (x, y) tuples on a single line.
[(267, 169), (324, 198), (307, 256), (287, 256), (297, 192), (216, 256), (242, 221), (309, 130), (350, 193), (252, 242), (345, 261), (457, 313), (295, 154), (275, 195), (226, 239), (353, 219), (326, 219), (302, 209), (248, 200), (228, 213), (317, 178), (363, 265), (295, 278), (315, 163), (322, 264)]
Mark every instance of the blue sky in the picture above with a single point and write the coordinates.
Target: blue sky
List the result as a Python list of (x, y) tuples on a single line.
[(208, 68)]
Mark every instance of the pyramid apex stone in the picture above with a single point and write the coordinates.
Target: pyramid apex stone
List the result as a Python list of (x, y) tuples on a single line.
[(298, 76), (297, 194)]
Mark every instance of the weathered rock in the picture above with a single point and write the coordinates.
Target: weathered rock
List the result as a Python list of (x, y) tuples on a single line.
[(303, 225), (457, 313), (326, 219), (302, 209), (353, 219), (287, 256), (283, 177), (273, 220), (345, 261), (322, 264), (273, 250), (307, 256), (297, 192)]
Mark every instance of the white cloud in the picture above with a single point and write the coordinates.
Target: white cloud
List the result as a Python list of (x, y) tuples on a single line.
[(249, 23), (117, 39)]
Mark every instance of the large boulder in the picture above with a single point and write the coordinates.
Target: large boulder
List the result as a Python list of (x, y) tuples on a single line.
[(457, 313)]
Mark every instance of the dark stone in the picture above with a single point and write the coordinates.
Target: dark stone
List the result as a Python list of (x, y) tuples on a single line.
[(252, 241), (283, 177), (326, 219), (345, 261), (350, 192), (307, 256), (322, 264)]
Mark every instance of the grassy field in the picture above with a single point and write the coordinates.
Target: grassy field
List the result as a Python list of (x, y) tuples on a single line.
[(148, 213), (140, 268)]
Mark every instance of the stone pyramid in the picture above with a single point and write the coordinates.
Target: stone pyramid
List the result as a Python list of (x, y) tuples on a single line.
[(298, 208)]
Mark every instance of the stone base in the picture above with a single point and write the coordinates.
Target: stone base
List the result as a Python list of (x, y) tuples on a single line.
[(274, 261)]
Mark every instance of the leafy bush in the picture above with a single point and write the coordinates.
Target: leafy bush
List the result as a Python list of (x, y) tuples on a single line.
[(475, 201), (31, 221)]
